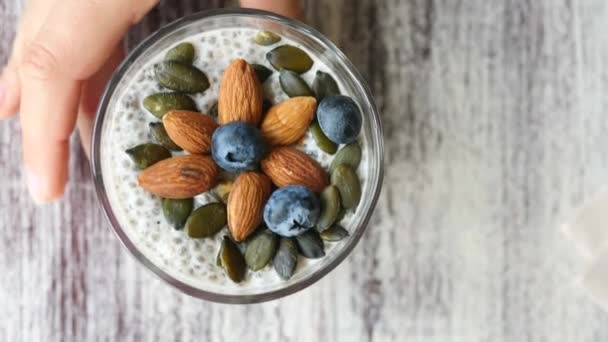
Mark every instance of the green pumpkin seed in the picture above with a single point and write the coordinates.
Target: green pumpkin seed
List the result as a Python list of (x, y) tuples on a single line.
[(232, 260), (293, 85), (206, 221), (218, 257), (290, 58), (245, 243), (286, 258), (177, 211), (159, 134), (260, 250), (324, 85), (334, 233), (322, 140), (213, 111), (330, 206), (349, 155), (341, 214), (145, 155), (181, 77), (346, 180), (262, 72), (266, 38), (159, 104), (310, 244), (183, 52)]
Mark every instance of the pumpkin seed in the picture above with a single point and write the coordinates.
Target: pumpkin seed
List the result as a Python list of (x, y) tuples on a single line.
[(293, 85), (206, 221), (145, 155), (266, 38), (347, 182), (243, 244), (213, 111), (183, 52), (262, 72), (159, 104), (290, 58), (177, 211), (349, 155), (330, 206), (324, 85), (322, 140), (222, 189), (260, 250), (286, 258), (310, 244), (218, 257), (341, 214), (232, 260), (181, 77), (159, 133), (334, 233)]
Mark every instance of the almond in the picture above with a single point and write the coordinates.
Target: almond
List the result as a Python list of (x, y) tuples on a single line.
[(287, 122), (191, 131), (180, 177), (246, 203), (240, 97), (289, 166)]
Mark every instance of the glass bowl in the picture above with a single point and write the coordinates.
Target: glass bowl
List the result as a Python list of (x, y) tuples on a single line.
[(324, 50)]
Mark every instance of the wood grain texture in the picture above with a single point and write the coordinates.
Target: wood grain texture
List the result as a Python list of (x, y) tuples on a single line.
[(495, 124)]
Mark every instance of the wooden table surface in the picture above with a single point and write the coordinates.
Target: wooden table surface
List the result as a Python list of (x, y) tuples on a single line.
[(495, 130)]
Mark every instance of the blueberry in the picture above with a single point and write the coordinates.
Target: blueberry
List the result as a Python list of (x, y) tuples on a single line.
[(237, 146), (292, 210), (339, 118)]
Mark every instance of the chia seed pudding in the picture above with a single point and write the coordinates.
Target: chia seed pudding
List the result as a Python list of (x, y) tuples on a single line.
[(139, 213)]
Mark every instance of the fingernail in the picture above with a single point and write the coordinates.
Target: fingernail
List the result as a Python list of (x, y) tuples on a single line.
[(35, 185)]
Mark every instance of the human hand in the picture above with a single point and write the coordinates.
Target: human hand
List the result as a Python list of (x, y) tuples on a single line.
[(63, 56)]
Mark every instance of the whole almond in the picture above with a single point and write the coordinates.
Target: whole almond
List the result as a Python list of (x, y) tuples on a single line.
[(180, 177), (240, 97), (287, 122), (191, 131), (289, 166), (246, 202)]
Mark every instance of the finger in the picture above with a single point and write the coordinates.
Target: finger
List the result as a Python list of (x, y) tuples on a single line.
[(288, 8), (47, 121), (72, 45), (10, 85), (90, 96)]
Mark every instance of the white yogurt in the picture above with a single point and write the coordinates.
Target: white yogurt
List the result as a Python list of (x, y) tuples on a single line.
[(139, 213)]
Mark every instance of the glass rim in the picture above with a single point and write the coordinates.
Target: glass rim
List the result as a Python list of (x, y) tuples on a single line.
[(376, 176)]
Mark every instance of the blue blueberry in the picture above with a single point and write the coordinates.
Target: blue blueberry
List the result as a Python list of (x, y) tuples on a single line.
[(339, 118), (292, 210), (237, 146)]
